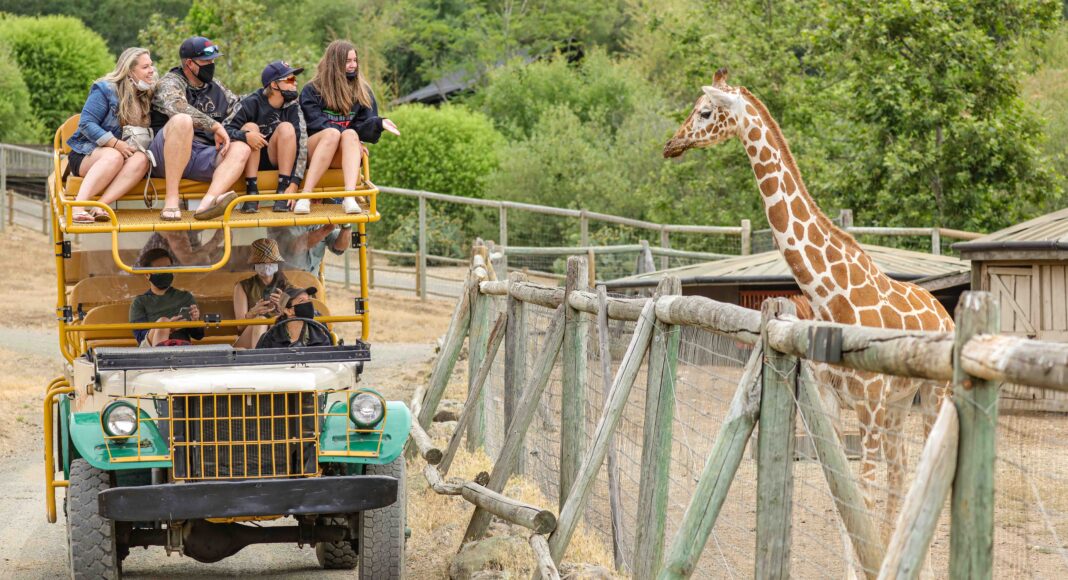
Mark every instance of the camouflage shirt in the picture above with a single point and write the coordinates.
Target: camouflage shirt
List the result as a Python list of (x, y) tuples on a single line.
[(207, 105)]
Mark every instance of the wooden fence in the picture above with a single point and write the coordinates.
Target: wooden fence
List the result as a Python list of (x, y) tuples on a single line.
[(957, 459)]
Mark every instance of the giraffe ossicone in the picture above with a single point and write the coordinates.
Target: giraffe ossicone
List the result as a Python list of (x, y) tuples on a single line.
[(840, 282)]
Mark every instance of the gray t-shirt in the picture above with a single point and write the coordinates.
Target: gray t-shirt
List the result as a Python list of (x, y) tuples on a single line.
[(150, 307), (299, 257)]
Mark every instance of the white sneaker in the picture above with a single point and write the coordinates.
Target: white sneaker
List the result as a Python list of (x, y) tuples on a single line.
[(350, 206), (303, 206)]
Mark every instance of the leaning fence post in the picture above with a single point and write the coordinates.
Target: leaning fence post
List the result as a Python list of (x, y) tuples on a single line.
[(775, 452), (573, 388), (515, 357), (615, 499), (971, 540), (656, 442), (450, 351), (477, 340)]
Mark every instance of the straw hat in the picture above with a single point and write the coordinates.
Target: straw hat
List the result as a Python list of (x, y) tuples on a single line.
[(264, 251)]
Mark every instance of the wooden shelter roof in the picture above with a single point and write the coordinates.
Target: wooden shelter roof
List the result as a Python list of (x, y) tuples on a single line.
[(1045, 236)]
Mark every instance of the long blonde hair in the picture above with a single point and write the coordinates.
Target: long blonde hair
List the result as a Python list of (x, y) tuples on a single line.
[(338, 92), (134, 104)]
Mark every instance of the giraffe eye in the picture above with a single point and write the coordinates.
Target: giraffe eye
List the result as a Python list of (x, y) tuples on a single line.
[(706, 114)]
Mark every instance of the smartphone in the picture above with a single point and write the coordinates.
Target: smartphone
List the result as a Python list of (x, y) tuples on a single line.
[(184, 313)]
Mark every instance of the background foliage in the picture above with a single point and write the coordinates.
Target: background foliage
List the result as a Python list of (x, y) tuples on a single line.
[(942, 112)]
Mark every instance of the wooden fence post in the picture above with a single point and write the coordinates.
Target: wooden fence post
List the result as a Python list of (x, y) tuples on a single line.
[(573, 387), (615, 499), (665, 243), (477, 341), (370, 266), (10, 208), (616, 401), (718, 473), (420, 260), (584, 228), (450, 351), (971, 540), (656, 442), (775, 452), (515, 358), (936, 241), (528, 405), (502, 241), (747, 237), (3, 182)]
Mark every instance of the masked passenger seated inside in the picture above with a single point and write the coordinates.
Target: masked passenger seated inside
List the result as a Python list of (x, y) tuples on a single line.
[(261, 295), (295, 332), (163, 303)]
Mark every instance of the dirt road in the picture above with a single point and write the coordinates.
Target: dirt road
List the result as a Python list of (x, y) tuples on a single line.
[(32, 548)]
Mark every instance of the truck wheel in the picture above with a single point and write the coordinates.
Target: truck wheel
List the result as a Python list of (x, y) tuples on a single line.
[(382, 530), (90, 536), (336, 555)]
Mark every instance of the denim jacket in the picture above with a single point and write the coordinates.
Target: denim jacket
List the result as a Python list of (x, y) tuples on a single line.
[(99, 121)]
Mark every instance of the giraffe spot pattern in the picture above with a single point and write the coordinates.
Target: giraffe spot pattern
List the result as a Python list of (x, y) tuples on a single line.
[(777, 215)]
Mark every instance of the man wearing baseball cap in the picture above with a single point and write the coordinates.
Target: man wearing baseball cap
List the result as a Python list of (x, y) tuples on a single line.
[(188, 114), (271, 123)]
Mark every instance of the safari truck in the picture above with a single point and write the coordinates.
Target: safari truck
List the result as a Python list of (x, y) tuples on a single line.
[(206, 448)]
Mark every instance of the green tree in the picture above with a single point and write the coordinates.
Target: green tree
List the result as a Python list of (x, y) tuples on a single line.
[(118, 21), (59, 59), (17, 123)]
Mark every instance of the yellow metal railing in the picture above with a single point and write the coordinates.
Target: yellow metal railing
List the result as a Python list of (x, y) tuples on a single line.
[(58, 386)]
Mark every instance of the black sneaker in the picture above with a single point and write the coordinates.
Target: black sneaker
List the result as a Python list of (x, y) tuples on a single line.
[(250, 206), (281, 205)]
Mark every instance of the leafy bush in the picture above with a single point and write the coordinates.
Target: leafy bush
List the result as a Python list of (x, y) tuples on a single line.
[(448, 150), (59, 59), (17, 123), (444, 236)]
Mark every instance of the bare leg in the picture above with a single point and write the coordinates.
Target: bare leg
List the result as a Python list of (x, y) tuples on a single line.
[(227, 172), (321, 149), (350, 158), (282, 148), (250, 336), (253, 163), (98, 169), (133, 170), (177, 148)]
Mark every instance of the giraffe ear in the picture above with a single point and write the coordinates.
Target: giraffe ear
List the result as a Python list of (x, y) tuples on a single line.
[(720, 79), (718, 97)]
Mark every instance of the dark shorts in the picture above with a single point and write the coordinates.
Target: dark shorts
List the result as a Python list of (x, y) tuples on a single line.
[(201, 165), (74, 163), (265, 161)]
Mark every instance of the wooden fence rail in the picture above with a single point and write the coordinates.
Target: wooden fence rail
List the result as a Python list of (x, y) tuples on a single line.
[(771, 391)]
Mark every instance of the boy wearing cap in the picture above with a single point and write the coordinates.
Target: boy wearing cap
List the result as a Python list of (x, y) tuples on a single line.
[(191, 141), (271, 123), (262, 294)]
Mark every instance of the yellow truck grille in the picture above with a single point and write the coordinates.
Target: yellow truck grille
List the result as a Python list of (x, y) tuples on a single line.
[(244, 436)]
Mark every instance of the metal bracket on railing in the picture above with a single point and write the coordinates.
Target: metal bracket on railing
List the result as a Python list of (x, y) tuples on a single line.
[(360, 306), (359, 240), (65, 249), (81, 313), (68, 314)]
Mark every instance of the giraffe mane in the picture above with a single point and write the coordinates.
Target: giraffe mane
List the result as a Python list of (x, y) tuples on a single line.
[(775, 134)]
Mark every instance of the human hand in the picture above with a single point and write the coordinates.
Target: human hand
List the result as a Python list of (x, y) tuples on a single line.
[(389, 126), (124, 148), (277, 298), (222, 140), (194, 312), (255, 140)]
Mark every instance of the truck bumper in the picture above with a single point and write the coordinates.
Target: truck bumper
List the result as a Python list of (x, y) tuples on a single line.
[(264, 497)]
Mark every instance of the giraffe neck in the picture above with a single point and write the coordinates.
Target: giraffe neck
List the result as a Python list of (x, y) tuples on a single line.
[(830, 267)]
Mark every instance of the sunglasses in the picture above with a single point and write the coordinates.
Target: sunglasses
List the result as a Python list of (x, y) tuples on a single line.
[(288, 79), (209, 51)]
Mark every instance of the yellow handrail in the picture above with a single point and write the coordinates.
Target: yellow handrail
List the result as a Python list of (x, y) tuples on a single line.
[(58, 386)]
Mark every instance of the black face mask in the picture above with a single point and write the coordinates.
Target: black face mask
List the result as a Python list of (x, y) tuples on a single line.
[(350, 75), (206, 72), (161, 281), (304, 310), (288, 96)]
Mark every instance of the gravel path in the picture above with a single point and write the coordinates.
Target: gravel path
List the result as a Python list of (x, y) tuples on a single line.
[(32, 548)]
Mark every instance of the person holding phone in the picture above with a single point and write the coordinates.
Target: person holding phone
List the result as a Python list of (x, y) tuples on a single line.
[(260, 295), (298, 304), (163, 303)]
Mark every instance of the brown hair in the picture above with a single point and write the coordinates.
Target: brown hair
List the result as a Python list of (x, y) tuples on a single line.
[(338, 92)]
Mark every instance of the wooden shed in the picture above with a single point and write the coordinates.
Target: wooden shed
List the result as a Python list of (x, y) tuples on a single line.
[(1026, 267)]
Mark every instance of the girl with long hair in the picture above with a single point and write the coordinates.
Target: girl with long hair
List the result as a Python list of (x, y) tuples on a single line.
[(341, 113), (99, 155)]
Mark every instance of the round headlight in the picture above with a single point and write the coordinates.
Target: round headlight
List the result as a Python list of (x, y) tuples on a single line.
[(120, 419), (366, 409)]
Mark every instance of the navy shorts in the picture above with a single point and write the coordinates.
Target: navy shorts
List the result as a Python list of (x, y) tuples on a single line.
[(202, 160)]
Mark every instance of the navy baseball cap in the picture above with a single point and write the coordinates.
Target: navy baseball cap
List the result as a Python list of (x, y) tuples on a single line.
[(199, 48), (277, 71)]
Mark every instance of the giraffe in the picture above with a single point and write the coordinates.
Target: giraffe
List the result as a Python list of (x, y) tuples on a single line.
[(839, 280)]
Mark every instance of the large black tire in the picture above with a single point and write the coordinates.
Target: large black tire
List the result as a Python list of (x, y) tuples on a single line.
[(382, 530), (336, 555), (90, 536)]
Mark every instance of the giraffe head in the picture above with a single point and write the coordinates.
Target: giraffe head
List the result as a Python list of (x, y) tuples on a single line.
[(714, 119)]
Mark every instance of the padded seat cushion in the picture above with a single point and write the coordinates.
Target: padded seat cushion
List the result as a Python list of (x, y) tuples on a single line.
[(267, 182)]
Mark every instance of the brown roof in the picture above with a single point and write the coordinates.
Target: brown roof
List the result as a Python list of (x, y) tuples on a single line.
[(770, 267), (1044, 233)]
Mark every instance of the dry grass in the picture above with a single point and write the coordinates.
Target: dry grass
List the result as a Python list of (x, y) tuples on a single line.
[(395, 317), (29, 284), (23, 379)]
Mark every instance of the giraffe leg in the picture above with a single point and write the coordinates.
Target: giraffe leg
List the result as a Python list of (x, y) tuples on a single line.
[(869, 453), (896, 454), (932, 393)]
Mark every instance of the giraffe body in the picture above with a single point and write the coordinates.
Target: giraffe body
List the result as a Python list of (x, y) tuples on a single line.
[(840, 282)]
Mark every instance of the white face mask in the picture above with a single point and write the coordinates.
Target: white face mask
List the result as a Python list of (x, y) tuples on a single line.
[(144, 85), (266, 270)]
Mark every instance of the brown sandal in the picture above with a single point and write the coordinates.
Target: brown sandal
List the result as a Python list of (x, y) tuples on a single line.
[(217, 209), (171, 214)]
